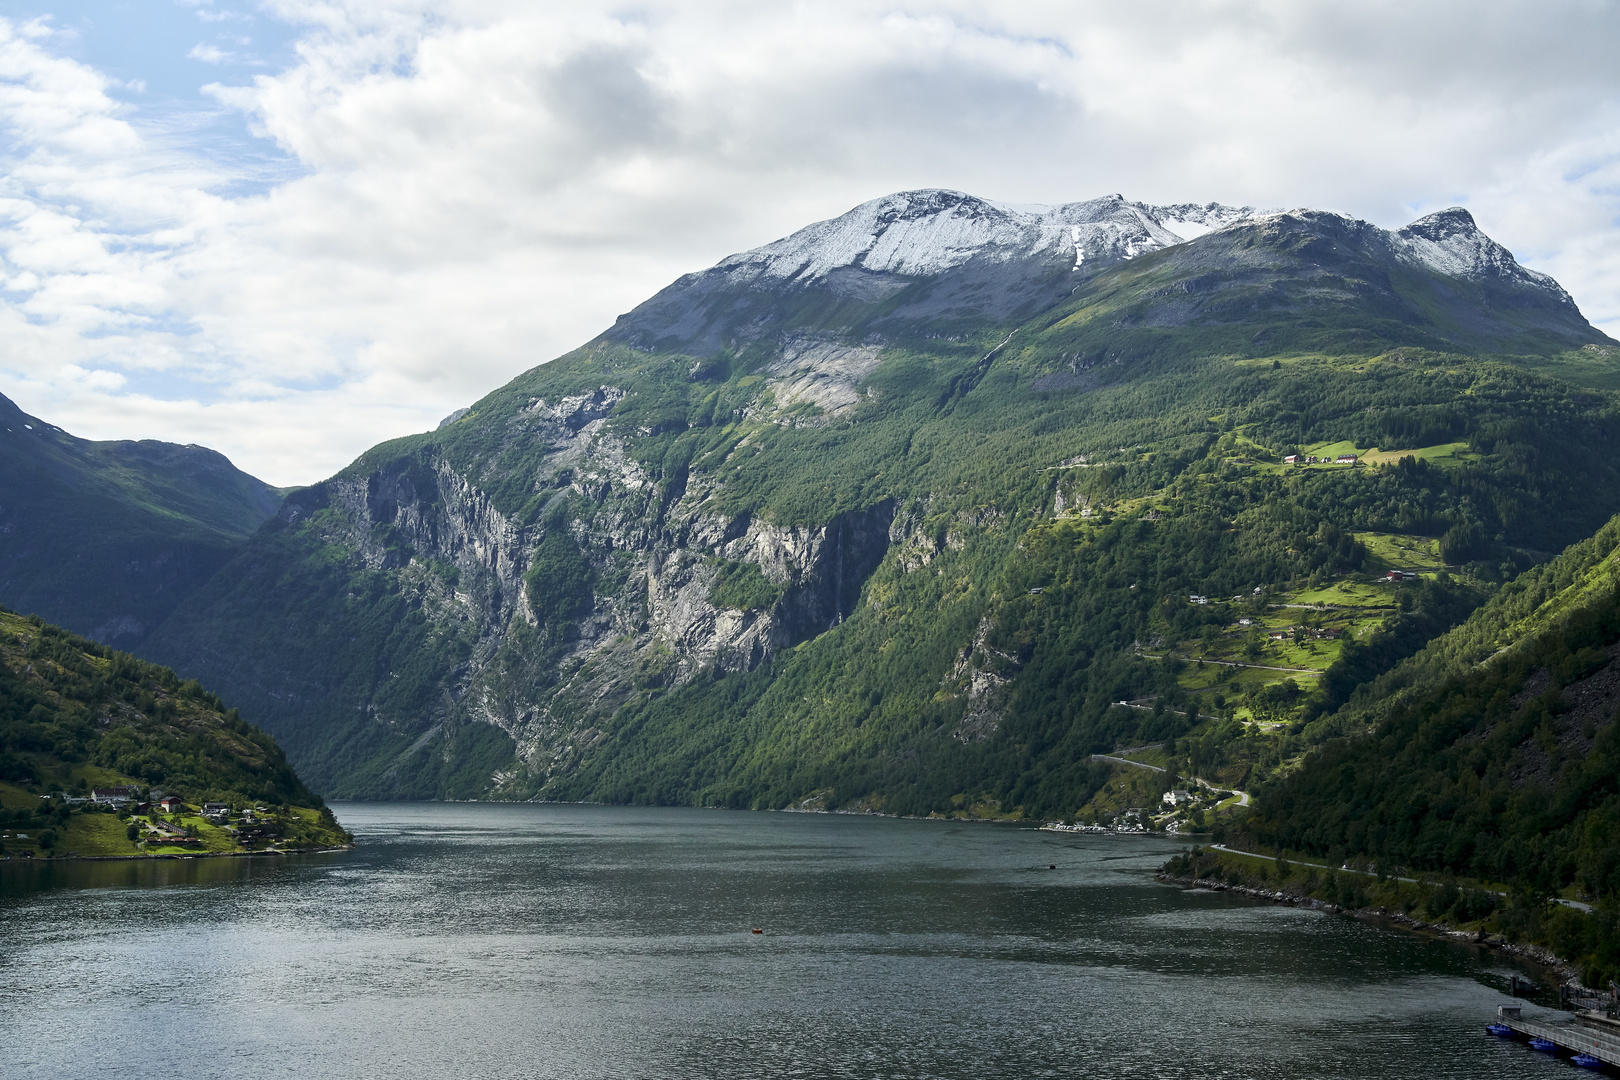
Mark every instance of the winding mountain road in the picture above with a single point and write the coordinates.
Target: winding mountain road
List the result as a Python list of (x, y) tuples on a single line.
[(1242, 796), (1576, 904)]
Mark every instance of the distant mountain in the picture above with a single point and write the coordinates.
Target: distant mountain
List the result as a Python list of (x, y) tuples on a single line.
[(891, 514), (106, 538)]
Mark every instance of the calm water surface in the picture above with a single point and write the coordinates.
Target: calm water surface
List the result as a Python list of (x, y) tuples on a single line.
[(581, 942)]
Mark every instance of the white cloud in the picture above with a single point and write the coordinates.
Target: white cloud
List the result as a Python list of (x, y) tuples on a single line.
[(486, 184), (208, 54)]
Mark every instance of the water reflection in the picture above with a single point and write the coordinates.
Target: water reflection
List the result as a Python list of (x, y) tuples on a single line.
[(26, 877), (524, 941)]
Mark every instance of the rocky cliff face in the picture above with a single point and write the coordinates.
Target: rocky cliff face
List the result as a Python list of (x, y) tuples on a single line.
[(651, 556)]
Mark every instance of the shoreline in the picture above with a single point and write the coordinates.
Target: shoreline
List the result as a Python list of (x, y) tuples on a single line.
[(1399, 920), (1026, 822), (12, 860)]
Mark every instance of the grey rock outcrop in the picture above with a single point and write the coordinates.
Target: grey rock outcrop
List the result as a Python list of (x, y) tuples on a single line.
[(654, 553)]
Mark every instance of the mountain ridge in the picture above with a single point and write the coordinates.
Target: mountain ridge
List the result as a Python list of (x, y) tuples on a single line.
[(934, 260), (105, 538)]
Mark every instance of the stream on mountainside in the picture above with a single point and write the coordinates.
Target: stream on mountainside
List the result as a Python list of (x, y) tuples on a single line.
[(471, 941)]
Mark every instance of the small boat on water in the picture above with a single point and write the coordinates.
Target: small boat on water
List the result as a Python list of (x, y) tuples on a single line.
[(1587, 1061), (1544, 1046), (1501, 1031)]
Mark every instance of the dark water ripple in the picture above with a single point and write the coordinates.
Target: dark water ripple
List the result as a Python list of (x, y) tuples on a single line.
[(582, 942)]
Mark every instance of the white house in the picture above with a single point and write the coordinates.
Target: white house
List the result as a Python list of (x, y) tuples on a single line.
[(1176, 798)]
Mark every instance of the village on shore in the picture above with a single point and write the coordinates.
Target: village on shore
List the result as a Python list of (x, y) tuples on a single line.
[(125, 821)]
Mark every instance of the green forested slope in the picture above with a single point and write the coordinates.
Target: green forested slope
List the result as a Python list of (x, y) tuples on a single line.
[(1494, 752), (107, 537), (76, 715), (1494, 756)]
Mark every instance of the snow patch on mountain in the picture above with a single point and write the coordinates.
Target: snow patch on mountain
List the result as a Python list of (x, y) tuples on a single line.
[(922, 234), (1187, 230), (1449, 242), (1189, 221), (878, 247)]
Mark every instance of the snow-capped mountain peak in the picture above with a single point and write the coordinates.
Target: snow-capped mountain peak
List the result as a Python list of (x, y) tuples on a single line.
[(928, 232), (1450, 242), (936, 257)]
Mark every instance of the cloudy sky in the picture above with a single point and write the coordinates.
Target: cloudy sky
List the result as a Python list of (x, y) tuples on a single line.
[(288, 229)]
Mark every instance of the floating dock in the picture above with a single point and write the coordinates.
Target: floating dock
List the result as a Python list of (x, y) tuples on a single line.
[(1578, 1038)]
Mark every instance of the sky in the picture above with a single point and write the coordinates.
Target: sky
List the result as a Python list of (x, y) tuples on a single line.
[(290, 229)]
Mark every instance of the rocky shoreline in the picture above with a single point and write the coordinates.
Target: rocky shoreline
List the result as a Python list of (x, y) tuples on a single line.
[(1555, 966)]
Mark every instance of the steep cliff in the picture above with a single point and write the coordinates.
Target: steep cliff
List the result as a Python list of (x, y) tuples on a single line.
[(607, 579)]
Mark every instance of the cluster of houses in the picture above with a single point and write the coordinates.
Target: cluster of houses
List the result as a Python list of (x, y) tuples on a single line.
[(1315, 633), (1312, 459), (164, 832), (1195, 598), (128, 797), (251, 824), (1139, 819), (1320, 633)]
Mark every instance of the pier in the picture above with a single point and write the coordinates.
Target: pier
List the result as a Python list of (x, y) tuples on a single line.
[(1599, 1039)]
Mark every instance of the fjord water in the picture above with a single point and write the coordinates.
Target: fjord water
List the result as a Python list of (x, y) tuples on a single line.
[(472, 941)]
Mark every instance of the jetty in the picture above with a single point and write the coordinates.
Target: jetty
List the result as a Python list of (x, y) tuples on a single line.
[(1598, 1038)]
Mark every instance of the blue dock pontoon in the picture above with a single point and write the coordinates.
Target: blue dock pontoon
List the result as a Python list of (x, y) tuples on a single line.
[(1593, 1042)]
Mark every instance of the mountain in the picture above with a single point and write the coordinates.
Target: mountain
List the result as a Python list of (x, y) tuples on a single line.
[(892, 513), (930, 262), (106, 538), (76, 716)]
